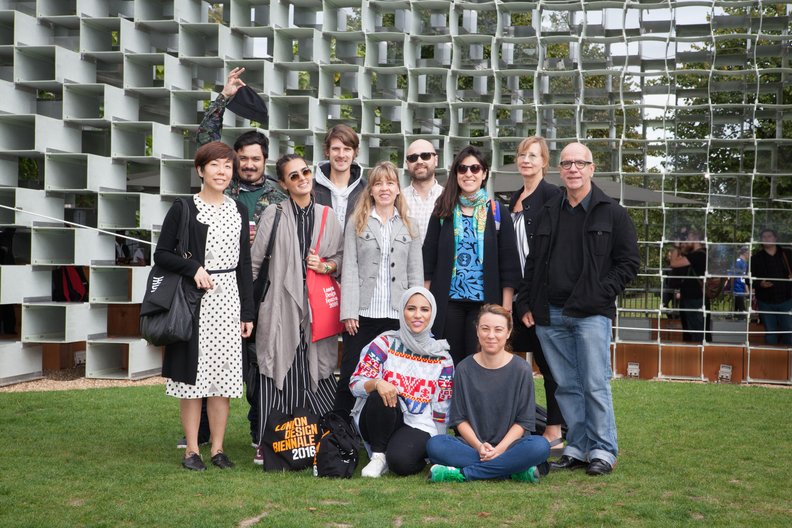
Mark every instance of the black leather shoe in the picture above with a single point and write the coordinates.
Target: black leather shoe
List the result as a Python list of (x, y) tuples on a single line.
[(598, 467), (193, 462), (221, 460), (568, 462)]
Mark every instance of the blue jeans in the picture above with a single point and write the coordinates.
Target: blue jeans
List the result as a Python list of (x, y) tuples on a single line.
[(778, 326), (577, 350), (522, 454)]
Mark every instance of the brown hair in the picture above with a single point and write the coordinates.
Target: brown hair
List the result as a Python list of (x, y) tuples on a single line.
[(343, 133), (522, 148), (384, 170), (444, 207), (213, 151), (496, 309)]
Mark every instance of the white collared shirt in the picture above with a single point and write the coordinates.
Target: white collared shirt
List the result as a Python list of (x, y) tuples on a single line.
[(420, 208), (380, 305)]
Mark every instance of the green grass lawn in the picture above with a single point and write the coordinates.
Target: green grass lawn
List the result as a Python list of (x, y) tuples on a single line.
[(691, 454)]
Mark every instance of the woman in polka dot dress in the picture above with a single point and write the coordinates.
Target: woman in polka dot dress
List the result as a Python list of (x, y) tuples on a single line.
[(210, 364)]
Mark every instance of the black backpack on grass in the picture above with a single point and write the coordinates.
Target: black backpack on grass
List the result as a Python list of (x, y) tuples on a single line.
[(337, 449)]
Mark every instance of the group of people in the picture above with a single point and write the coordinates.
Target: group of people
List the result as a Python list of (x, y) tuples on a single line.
[(434, 281), (767, 272)]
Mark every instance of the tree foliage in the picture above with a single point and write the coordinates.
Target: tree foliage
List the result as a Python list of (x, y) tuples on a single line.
[(726, 130)]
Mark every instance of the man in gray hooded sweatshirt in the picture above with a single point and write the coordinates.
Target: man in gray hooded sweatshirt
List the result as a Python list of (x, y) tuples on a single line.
[(339, 181)]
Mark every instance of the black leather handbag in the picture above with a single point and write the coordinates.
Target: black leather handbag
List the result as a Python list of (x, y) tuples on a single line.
[(168, 307)]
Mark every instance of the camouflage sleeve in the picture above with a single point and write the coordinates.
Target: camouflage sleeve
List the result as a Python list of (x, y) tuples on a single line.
[(212, 124)]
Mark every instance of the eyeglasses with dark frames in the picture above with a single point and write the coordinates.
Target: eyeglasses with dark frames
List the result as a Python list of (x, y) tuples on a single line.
[(474, 169), (426, 156), (580, 164), (305, 172)]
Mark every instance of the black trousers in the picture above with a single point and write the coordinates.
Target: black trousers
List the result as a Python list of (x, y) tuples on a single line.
[(204, 434), (695, 324), (368, 329), (384, 429), (460, 328), (250, 373)]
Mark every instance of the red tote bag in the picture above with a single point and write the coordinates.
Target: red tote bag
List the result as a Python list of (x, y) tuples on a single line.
[(324, 298)]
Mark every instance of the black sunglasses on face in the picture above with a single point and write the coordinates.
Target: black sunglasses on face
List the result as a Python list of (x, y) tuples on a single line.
[(474, 169), (426, 156), (305, 172)]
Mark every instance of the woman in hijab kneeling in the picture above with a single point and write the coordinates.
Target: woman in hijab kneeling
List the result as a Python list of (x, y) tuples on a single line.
[(403, 384)]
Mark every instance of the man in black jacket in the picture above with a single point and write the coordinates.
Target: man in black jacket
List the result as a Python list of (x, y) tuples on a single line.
[(583, 254), (772, 281)]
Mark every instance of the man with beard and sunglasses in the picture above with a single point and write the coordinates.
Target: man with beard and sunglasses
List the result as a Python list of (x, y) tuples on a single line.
[(423, 191), (250, 186)]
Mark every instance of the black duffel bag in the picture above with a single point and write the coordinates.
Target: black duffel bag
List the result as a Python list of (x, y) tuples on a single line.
[(168, 307)]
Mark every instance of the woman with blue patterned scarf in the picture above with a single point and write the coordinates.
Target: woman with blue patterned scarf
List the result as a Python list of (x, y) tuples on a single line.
[(470, 253)]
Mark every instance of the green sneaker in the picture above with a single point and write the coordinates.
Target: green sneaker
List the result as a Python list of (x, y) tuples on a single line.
[(529, 475), (438, 473)]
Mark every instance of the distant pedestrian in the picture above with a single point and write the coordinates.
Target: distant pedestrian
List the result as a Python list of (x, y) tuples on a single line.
[(772, 281)]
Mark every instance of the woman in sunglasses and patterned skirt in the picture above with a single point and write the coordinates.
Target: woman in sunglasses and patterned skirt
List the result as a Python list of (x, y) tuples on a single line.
[(470, 253), (295, 372)]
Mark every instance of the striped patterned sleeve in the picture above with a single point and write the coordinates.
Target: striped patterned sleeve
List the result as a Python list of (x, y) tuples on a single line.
[(370, 366), (443, 394)]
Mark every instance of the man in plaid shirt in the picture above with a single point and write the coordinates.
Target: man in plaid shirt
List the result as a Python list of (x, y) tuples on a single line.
[(250, 185)]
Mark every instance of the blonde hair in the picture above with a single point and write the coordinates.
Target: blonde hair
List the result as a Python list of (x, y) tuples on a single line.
[(384, 170), (522, 148)]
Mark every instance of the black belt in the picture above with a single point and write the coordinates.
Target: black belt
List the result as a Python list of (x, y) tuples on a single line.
[(216, 272)]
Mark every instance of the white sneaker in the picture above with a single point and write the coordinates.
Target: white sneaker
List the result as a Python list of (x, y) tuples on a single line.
[(376, 468)]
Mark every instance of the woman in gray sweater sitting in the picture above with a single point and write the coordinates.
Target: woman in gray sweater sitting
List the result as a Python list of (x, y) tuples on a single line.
[(493, 412)]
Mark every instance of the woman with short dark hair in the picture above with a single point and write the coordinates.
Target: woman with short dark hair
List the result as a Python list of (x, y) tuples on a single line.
[(210, 364)]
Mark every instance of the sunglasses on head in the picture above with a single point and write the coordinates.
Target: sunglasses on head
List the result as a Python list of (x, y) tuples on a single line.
[(305, 172), (426, 156), (474, 169)]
